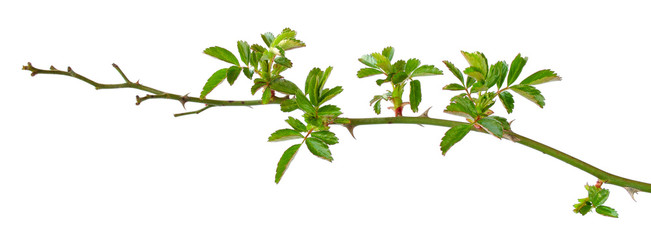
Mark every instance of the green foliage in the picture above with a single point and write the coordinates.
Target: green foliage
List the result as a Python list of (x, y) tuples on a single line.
[(319, 148), (214, 80), (284, 134), (397, 74), (454, 135), (222, 54), (597, 196), (285, 160)]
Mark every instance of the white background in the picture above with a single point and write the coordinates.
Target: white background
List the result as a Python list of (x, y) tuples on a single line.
[(76, 163)]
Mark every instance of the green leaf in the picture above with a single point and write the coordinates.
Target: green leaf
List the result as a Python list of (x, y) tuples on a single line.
[(368, 60), (411, 65), (530, 93), (312, 84), (288, 105), (329, 94), (414, 95), (326, 136), (256, 87), (478, 61), (382, 62), (284, 134), (296, 124), (323, 79), (214, 80), (257, 48), (502, 69), (318, 148), (222, 54), (248, 73), (399, 77), (492, 126), (505, 124), (598, 196), (303, 103), (470, 81), (426, 70), (583, 207), (607, 211), (289, 44), (284, 35), (245, 51), (454, 135), (283, 86), (329, 110), (266, 95), (454, 87), (497, 74), (285, 159), (507, 101), (283, 61), (232, 74), (377, 108), (454, 70), (462, 106), (398, 66), (268, 38), (388, 52), (516, 68), (541, 76), (475, 73), (365, 72)]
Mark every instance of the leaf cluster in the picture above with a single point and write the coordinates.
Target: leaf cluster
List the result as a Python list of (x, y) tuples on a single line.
[(482, 86), (597, 196), (397, 74), (265, 62), (317, 116)]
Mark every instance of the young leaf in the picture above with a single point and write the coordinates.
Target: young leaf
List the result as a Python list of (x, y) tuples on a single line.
[(232, 74), (454, 87), (288, 105), (398, 66), (377, 108), (478, 61), (329, 110), (497, 74), (296, 124), (284, 134), (312, 84), (492, 126), (454, 135), (462, 106), (214, 80), (411, 65), (256, 48), (323, 79), (382, 62), (368, 60), (516, 67), (268, 38), (285, 34), (598, 196), (530, 93), (283, 61), (607, 211), (247, 72), (303, 103), (505, 124), (222, 54), (366, 72), (399, 77), (266, 95), (256, 87), (541, 76), (289, 44), (454, 70), (326, 136), (286, 158), (283, 86), (245, 51), (414, 95), (475, 73), (507, 101), (583, 207), (318, 148), (388, 52), (329, 94), (426, 70)]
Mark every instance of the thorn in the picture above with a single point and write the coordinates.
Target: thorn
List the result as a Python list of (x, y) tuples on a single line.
[(350, 129), (183, 99), (631, 191), (425, 114), (510, 137), (53, 68), (138, 82), (70, 70), (420, 125)]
